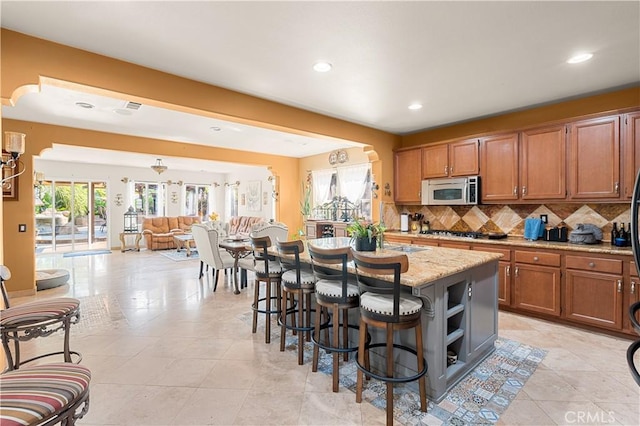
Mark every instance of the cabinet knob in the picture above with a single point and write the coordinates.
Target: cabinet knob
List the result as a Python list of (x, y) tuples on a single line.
[(451, 170), (509, 270), (536, 258), (516, 271), (633, 287), (617, 187), (619, 286), (592, 265), (515, 190), (524, 190), (446, 170)]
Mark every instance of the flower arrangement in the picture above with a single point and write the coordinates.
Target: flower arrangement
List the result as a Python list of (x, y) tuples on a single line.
[(213, 216), (305, 204)]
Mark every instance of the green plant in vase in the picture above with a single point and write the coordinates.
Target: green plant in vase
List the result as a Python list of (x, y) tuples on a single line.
[(305, 204), (365, 234)]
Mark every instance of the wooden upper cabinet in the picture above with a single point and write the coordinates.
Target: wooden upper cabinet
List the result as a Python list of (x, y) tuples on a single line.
[(499, 168), (451, 159), (407, 180), (594, 159), (631, 151), (543, 164), (435, 161)]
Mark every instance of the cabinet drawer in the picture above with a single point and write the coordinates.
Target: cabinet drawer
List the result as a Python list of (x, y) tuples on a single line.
[(506, 253), (611, 266), (537, 258), (633, 271)]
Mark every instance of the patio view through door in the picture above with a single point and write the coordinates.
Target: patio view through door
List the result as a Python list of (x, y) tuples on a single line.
[(71, 216)]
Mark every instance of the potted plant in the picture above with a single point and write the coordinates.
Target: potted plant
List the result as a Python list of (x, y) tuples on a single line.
[(305, 204), (365, 234)]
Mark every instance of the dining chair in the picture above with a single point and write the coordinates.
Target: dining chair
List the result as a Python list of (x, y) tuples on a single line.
[(206, 240)]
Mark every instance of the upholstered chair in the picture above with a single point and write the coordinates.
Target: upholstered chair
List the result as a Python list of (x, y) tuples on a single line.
[(207, 243)]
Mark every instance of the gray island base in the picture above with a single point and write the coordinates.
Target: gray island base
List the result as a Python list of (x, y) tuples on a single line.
[(459, 289)]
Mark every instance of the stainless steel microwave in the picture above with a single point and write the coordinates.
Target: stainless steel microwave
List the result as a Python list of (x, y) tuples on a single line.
[(451, 191)]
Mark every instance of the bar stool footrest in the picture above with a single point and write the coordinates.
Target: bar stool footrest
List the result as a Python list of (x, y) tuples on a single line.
[(393, 379)]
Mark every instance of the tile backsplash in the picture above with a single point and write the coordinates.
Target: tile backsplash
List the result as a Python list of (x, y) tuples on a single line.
[(509, 218)]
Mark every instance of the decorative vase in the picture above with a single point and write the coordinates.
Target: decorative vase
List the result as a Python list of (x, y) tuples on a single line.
[(364, 244)]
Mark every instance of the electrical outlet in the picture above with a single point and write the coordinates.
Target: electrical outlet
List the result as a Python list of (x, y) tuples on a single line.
[(544, 218)]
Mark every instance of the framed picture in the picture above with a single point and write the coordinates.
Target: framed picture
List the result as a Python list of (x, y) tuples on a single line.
[(254, 191), (10, 187), (265, 198), (243, 199)]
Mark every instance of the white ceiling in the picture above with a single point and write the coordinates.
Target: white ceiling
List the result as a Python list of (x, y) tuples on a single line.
[(461, 60)]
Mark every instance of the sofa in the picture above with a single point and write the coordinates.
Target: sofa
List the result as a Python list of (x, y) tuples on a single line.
[(158, 232), (242, 225)]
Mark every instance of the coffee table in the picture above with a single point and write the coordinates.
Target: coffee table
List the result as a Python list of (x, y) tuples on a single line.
[(184, 241)]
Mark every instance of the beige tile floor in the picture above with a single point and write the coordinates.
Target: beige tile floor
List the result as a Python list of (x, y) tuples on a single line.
[(165, 350)]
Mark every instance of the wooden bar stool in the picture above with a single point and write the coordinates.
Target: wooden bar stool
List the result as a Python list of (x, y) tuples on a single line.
[(384, 305), (296, 282), (268, 271), (337, 293), (35, 319)]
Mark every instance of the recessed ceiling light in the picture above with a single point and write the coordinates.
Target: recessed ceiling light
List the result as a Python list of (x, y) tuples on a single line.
[(215, 128), (122, 111), (85, 105), (415, 106), (581, 57), (322, 66)]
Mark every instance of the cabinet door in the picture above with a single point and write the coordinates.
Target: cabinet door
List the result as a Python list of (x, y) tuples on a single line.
[(595, 159), (594, 298), (463, 158), (631, 297), (407, 176), (537, 289), (499, 168), (504, 283), (435, 161), (543, 164), (631, 156), (340, 230), (310, 229)]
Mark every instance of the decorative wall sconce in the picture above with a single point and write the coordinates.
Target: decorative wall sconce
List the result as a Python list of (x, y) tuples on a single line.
[(236, 183), (387, 189), (119, 200), (124, 180), (215, 184), (374, 189), (179, 183), (14, 146), (174, 197), (274, 192), (38, 177)]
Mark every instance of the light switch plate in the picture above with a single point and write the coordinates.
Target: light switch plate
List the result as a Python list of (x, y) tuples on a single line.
[(544, 218), (22, 227)]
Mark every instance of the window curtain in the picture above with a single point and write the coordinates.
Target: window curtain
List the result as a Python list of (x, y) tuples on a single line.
[(351, 181), (321, 186)]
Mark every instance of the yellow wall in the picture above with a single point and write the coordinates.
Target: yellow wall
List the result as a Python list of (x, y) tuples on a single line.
[(608, 102), (27, 62)]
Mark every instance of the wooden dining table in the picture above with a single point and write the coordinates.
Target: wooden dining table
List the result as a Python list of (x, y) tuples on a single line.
[(237, 248)]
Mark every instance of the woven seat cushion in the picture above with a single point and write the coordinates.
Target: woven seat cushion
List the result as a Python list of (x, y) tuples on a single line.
[(334, 288), (274, 267), (31, 394), (383, 304), (35, 312), (307, 279)]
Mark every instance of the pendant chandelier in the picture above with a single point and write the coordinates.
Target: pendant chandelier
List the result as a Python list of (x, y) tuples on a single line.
[(158, 167)]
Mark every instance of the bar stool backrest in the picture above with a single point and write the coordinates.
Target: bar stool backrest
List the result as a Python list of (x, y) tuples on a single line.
[(324, 262), (290, 256), (381, 266)]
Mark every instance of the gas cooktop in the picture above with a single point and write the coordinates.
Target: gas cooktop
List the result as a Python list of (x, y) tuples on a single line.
[(463, 234)]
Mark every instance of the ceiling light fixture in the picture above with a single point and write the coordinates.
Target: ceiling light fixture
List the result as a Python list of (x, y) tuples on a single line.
[(581, 57), (84, 105), (158, 167), (322, 66), (215, 128), (415, 106)]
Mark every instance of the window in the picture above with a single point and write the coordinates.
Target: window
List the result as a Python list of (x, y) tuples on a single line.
[(342, 193), (149, 198), (231, 201), (197, 201)]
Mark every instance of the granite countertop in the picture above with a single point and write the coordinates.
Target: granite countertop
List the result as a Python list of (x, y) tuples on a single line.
[(426, 264), (603, 248)]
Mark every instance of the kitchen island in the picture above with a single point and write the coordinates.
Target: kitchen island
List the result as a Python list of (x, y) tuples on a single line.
[(459, 292)]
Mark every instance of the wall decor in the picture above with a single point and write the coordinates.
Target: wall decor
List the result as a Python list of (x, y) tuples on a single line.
[(243, 199), (253, 195), (265, 198), (10, 186)]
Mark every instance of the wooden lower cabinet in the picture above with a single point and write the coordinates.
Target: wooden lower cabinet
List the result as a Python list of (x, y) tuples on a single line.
[(537, 289), (340, 230), (594, 298), (631, 296), (504, 273)]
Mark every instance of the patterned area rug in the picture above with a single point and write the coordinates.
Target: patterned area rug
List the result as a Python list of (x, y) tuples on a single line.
[(179, 256), (479, 399), (85, 253)]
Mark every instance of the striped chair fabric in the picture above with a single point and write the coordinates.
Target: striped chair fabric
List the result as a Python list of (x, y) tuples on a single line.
[(32, 395), (41, 311)]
